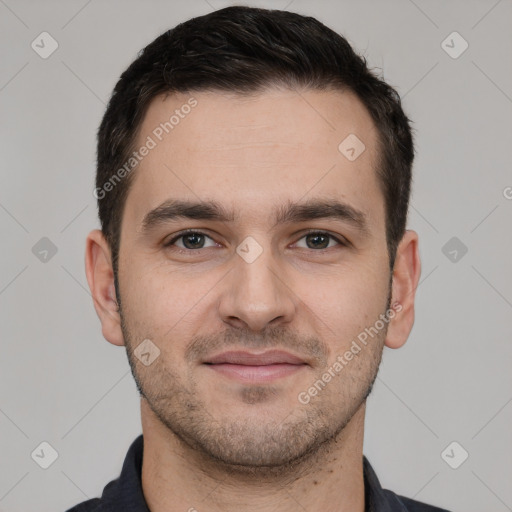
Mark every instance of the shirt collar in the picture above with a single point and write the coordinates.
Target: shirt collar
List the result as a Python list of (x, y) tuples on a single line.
[(125, 493), (376, 498)]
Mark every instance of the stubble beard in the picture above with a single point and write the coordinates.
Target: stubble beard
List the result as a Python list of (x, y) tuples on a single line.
[(266, 449)]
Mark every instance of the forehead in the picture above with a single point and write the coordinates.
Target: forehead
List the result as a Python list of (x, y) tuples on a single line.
[(250, 153)]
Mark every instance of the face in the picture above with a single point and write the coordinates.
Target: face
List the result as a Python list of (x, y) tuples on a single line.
[(279, 272)]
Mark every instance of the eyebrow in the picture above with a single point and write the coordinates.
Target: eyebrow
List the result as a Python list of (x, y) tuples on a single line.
[(174, 209)]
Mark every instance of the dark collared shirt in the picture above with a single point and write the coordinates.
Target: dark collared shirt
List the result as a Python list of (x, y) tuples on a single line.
[(124, 494)]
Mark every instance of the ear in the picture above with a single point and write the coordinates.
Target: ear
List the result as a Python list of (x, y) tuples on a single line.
[(100, 276), (406, 274)]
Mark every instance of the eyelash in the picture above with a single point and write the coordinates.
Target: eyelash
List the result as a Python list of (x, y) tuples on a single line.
[(181, 234)]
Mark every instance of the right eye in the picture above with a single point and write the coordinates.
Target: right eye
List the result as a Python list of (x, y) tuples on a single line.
[(190, 240)]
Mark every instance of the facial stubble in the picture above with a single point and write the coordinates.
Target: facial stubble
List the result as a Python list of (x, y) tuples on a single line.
[(240, 446)]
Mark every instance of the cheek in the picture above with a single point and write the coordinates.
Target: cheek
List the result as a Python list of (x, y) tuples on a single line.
[(162, 303), (344, 304)]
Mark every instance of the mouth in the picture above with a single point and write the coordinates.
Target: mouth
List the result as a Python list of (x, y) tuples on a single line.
[(250, 367)]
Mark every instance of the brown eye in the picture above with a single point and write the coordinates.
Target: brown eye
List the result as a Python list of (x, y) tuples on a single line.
[(193, 241), (320, 240), (190, 240)]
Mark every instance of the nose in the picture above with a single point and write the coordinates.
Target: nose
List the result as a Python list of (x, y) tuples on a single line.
[(257, 295)]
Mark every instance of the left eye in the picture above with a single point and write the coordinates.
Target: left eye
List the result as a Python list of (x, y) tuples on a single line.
[(319, 240)]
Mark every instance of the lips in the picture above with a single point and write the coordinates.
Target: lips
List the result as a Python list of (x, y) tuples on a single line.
[(251, 359), (249, 367)]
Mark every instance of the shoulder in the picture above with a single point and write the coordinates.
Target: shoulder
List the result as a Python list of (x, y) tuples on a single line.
[(411, 505), (123, 493), (384, 500), (92, 505)]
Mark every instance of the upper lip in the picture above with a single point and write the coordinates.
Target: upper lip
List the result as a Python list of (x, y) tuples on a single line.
[(255, 359)]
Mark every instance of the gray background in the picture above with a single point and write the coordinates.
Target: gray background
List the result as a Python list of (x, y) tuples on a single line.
[(62, 383)]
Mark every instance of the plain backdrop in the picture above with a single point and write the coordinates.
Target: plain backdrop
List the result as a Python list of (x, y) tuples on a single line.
[(63, 384)]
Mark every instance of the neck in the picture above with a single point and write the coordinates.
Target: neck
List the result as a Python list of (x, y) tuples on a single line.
[(176, 477)]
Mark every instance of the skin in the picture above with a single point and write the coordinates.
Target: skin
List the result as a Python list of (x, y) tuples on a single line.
[(211, 442)]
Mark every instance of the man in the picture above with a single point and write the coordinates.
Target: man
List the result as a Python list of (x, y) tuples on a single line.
[(253, 183)]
